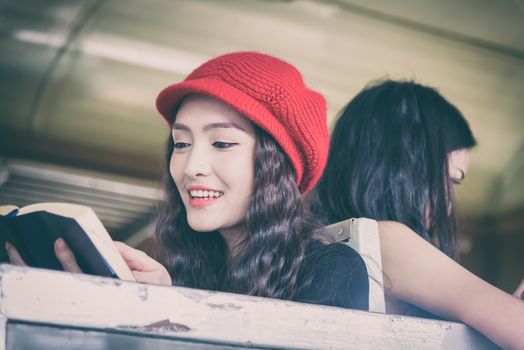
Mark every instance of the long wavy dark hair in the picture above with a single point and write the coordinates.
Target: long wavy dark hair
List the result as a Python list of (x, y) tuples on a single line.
[(278, 233), (388, 160)]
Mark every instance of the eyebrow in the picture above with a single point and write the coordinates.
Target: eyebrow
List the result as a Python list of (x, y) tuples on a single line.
[(178, 126), (223, 125)]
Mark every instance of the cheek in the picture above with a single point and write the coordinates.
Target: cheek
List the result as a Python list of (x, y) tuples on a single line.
[(245, 175), (237, 171), (176, 168)]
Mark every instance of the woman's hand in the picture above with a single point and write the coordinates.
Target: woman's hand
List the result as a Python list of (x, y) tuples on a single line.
[(66, 256), (14, 256), (519, 292), (144, 268), (62, 252)]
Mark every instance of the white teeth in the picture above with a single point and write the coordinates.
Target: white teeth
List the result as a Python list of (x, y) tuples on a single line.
[(204, 194)]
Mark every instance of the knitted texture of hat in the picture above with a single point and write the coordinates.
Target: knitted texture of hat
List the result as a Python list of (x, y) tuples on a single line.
[(272, 94)]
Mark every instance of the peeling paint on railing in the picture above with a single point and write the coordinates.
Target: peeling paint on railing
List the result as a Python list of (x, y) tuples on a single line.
[(53, 303)]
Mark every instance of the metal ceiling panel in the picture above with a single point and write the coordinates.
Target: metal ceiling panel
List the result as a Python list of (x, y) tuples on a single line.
[(93, 107)]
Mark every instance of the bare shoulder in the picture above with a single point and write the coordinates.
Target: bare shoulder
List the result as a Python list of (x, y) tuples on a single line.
[(393, 227), (397, 232)]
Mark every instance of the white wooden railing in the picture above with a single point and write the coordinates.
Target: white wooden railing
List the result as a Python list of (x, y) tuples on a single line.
[(43, 309)]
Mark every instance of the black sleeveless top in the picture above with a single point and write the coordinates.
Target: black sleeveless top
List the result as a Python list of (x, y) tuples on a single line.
[(338, 277)]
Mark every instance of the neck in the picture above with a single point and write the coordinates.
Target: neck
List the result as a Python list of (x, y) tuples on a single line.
[(233, 237)]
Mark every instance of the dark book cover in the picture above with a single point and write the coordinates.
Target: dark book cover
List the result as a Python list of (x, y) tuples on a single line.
[(34, 235)]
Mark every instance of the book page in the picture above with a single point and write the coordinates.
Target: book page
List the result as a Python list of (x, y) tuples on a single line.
[(6, 209), (89, 221)]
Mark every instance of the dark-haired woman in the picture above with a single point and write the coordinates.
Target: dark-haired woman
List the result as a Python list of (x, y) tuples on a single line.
[(396, 153), (247, 139)]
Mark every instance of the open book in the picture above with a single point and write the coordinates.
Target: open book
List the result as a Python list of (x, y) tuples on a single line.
[(34, 229)]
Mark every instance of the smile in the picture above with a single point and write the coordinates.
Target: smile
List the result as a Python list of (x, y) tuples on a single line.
[(205, 194), (202, 197)]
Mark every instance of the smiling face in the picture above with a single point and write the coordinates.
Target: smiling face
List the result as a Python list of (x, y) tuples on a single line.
[(212, 163)]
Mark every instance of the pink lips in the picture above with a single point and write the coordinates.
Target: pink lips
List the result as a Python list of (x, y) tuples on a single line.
[(201, 202)]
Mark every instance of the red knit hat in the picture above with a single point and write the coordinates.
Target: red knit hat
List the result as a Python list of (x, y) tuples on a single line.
[(270, 93)]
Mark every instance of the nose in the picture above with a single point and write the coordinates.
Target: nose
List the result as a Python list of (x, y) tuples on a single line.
[(198, 162)]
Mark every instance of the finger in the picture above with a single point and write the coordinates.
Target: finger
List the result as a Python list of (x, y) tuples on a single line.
[(14, 256), (137, 259), (158, 277), (66, 256), (519, 292), (144, 268)]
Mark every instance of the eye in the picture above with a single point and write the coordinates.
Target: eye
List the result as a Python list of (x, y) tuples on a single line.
[(181, 145), (224, 145)]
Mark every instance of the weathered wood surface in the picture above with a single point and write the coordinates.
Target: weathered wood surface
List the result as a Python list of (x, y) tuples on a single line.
[(68, 311)]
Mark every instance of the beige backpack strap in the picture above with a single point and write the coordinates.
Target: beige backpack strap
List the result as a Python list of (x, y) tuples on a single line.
[(361, 235)]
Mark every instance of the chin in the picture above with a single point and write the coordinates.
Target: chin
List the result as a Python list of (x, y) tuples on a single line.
[(199, 226)]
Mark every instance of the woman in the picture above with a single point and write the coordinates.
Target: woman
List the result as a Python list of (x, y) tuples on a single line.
[(396, 153), (248, 137)]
